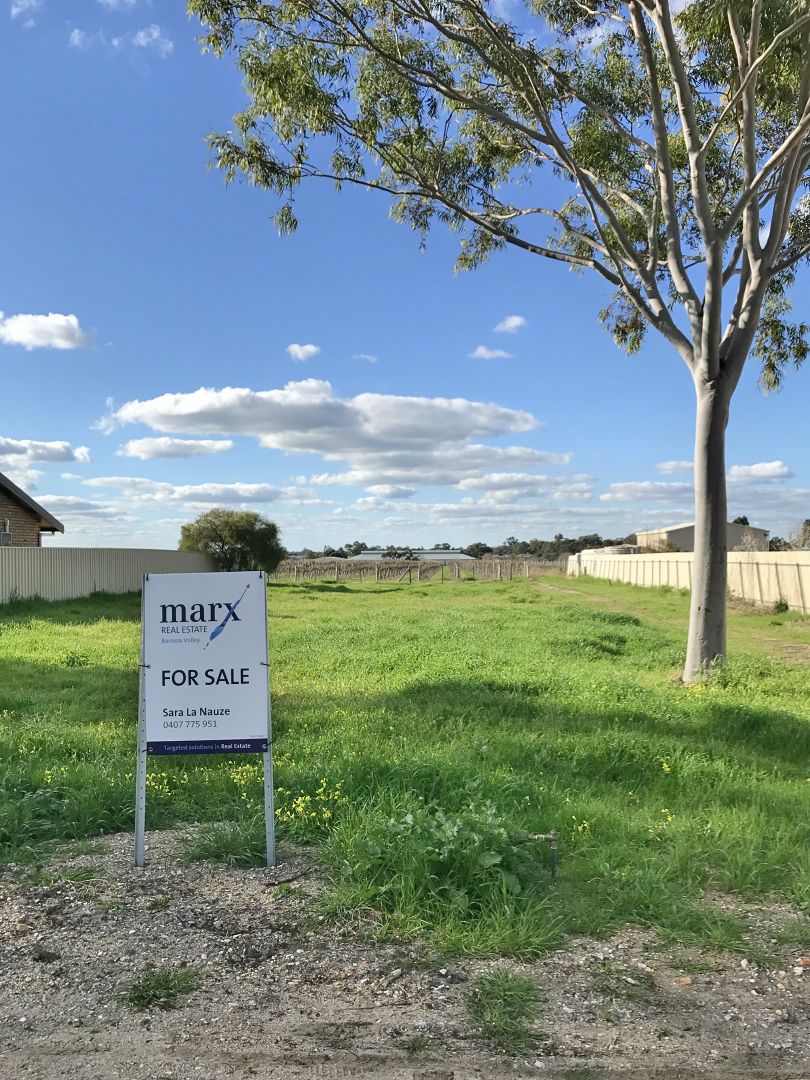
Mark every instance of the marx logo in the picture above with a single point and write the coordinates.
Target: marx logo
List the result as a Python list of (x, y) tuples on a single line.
[(202, 613)]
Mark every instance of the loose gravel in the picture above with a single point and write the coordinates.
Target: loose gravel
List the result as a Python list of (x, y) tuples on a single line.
[(282, 993)]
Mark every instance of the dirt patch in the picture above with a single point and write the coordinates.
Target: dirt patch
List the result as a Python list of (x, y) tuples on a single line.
[(282, 994), (549, 587), (795, 652)]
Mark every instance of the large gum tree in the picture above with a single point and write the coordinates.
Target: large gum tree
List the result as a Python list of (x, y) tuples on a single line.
[(663, 147)]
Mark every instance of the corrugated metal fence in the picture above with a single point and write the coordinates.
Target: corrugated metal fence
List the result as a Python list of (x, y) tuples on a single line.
[(64, 573), (763, 577)]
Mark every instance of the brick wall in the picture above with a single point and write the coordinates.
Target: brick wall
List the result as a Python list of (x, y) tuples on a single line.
[(24, 524)]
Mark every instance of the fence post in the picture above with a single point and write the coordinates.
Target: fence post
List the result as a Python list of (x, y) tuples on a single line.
[(336, 570), (801, 587), (759, 582)]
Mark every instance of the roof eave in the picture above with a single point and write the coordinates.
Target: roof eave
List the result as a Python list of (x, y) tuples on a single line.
[(47, 522)]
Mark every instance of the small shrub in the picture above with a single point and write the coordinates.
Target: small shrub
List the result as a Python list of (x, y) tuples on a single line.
[(425, 861), (74, 658), (161, 987), (502, 1006), (235, 843), (781, 606)]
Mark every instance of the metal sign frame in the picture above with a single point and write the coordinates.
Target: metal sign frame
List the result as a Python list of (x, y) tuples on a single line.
[(143, 749)]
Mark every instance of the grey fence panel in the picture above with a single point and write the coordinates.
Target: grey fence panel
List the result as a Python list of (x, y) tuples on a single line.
[(66, 573)]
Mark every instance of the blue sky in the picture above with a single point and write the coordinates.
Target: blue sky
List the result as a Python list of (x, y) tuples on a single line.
[(164, 288)]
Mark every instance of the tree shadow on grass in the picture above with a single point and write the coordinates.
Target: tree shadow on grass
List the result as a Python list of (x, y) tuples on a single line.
[(98, 607), (524, 748)]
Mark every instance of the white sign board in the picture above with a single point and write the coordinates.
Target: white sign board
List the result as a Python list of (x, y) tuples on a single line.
[(205, 685), (204, 677)]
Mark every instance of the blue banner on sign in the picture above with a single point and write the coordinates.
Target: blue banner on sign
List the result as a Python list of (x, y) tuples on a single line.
[(222, 746)]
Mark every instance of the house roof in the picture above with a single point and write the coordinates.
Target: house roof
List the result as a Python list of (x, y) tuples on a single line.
[(47, 522), (691, 525)]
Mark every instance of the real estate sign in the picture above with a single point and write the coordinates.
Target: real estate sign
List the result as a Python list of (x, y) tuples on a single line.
[(205, 663), (204, 676)]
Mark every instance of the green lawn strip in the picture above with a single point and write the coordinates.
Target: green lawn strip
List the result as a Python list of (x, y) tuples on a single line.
[(502, 1006), (161, 988), (422, 733)]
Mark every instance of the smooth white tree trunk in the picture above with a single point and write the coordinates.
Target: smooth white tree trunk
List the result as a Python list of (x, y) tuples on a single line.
[(707, 623)]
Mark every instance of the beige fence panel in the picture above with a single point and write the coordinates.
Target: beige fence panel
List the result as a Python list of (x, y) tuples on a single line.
[(763, 577), (66, 573)]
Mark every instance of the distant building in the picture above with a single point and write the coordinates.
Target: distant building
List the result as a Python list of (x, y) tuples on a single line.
[(443, 556), (682, 538), (422, 556), (23, 521)]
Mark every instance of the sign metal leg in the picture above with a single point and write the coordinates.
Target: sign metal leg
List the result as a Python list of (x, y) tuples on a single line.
[(140, 804), (140, 764), (269, 811)]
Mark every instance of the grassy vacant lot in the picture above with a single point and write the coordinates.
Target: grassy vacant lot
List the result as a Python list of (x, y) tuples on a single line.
[(424, 732)]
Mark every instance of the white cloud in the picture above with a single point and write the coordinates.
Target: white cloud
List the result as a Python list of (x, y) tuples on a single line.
[(302, 352), (509, 487), (391, 491), (763, 470), (50, 331), (66, 505), (444, 463), (153, 37), (25, 9), (367, 357), (69, 476), (21, 474), (483, 352), (29, 450), (164, 447), (308, 416), (645, 491), (117, 5), (510, 325), (78, 39), (674, 468), (18, 456), (383, 439), (138, 489)]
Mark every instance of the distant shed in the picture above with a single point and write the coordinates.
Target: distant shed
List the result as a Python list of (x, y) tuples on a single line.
[(682, 537)]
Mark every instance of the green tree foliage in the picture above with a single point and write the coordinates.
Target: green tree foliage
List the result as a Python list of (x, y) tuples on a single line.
[(663, 148), (672, 138), (477, 550), (235, 539)]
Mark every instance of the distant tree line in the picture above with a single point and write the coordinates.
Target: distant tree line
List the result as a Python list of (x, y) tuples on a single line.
[(546, 550), (541, 549)]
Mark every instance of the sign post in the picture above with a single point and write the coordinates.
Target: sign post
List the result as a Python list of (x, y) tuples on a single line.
[(204, 686)]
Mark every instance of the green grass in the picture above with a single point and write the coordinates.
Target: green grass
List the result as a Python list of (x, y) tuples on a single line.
[(235, 843), (423, 734), (161, 988), (502, 1007)]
